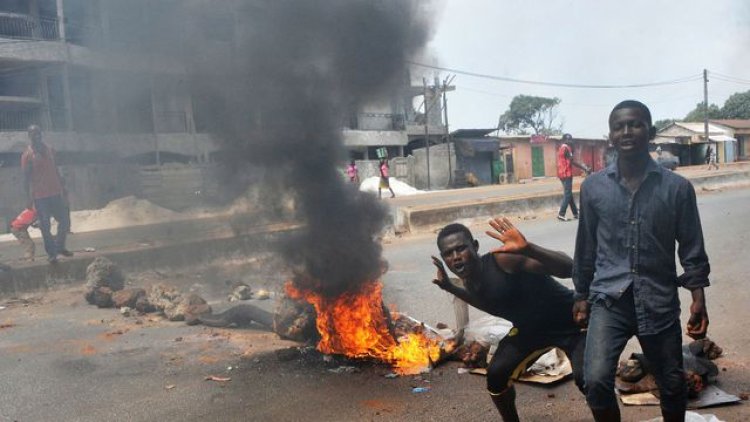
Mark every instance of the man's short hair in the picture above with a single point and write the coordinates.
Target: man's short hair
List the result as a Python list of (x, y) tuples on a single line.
[(633, 104), (453, 229), (567, 137)]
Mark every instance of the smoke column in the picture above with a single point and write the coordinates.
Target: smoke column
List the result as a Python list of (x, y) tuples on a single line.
[(299, 67)]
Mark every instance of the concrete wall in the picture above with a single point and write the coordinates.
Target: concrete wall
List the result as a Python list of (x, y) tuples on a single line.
[(402, 168), (177, 187), (93, 186), (439, 174), (89, 187)]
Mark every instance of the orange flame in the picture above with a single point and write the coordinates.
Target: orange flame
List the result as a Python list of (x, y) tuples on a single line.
[(355, 325)]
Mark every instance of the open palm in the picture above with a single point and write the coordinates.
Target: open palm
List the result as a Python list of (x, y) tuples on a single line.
[(506, 232)]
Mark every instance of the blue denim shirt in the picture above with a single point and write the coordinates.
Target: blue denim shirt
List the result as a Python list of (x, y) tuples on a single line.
[(627, 240)]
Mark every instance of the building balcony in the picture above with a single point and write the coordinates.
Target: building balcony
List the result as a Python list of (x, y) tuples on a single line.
[(26, 27), (376, 121)]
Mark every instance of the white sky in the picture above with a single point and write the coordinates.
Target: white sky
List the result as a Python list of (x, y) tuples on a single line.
[(589, 42)]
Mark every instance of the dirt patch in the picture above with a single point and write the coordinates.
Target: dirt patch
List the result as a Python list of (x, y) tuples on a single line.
[(111, 335), (378, 405), (18, 349), (208, 359), (88, 350)]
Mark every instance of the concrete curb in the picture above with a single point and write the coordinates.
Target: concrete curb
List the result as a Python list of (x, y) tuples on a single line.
[(43, 276), (424, 218)]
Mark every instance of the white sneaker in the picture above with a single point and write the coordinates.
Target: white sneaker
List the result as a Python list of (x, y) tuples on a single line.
[(562, 218)]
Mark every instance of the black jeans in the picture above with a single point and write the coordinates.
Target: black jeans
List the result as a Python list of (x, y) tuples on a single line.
[(53, 207), (517, 353), (568, 197), (611, 325)]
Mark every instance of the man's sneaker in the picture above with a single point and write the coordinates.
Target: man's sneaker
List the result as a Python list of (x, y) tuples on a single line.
[(52, 259), (65, 252), (575, 216), (561, 218)]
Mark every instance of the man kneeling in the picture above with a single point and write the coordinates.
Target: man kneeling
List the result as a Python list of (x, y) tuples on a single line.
[(513, 282)]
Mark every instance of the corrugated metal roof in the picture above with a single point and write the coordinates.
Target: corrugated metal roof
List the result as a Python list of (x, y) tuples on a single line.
[(699, 128), (721, 138), (733, 123), (665, 140), (471, 133), (552, 138)]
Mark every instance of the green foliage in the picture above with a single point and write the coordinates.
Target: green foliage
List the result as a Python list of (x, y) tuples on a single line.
[(737, 106), (698, 114), (528, 113)]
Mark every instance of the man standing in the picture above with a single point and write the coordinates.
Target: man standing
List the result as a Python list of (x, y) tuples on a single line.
[(625, 276), (45, 190), (711, 158), (565, 165), (513, 282)]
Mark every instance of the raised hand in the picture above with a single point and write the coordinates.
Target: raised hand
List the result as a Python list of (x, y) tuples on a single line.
[(506, 232), (441, 279)]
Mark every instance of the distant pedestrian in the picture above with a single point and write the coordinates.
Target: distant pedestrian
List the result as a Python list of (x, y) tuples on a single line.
[(352, 172), (46, 192), (384, 179), (711, 158), (20, 229), (565, 165)]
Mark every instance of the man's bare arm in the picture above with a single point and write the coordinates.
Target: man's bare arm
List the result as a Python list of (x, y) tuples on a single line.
[(518, 254), (442, 281)]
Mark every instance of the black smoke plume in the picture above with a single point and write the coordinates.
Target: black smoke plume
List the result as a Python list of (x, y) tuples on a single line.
[(297, 69)]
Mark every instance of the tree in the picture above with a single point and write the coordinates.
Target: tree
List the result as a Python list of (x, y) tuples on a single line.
[(527, 112), (737, 106), (698, 114)]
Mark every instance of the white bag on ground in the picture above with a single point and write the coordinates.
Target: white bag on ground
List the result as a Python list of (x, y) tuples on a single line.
[(692, 417)]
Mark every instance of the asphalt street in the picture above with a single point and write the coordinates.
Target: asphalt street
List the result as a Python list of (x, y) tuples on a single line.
[(66, 361)]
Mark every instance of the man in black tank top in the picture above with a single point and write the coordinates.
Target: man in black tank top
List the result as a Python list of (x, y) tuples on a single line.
[(513, 282)]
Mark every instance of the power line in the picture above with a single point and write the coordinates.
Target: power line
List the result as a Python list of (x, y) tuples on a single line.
[(730, 79), (685, 79)]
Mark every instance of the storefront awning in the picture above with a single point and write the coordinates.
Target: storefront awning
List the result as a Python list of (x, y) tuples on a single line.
[(721, 138)]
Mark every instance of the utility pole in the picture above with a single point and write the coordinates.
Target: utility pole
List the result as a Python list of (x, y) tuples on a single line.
[(447, 131), (426, 130), (705, 107)]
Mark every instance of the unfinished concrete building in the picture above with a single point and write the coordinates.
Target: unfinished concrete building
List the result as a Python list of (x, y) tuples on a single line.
[(103, 80), (108, 82)]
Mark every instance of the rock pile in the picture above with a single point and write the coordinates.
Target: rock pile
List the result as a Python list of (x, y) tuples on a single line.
[(105, 289)]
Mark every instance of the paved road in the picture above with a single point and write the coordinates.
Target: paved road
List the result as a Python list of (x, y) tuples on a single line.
[(174, 231), (64, 360)]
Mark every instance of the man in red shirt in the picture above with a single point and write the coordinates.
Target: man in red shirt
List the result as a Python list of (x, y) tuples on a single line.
[(565, 165), (45, 190)]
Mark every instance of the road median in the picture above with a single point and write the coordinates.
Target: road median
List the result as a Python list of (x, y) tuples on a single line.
[(417, 218)]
